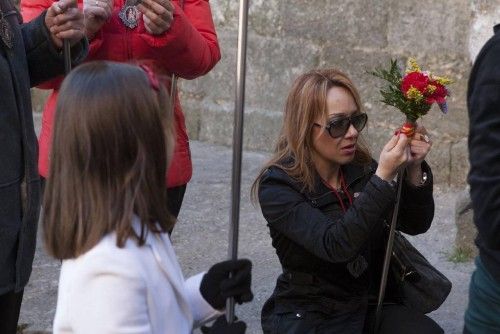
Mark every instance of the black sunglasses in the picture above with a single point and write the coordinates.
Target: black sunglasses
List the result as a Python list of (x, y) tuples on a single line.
[(338, 127)]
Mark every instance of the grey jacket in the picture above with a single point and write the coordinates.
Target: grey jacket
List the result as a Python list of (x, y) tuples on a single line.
[(30, 61)]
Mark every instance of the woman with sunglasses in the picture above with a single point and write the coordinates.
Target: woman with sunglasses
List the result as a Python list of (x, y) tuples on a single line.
[(327, 204)]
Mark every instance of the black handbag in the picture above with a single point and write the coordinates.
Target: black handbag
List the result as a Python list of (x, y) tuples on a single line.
[(421, 286)]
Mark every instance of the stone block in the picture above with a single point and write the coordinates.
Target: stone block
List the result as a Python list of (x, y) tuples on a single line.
[(344, 23), (266, 83), (219, 84), (485, 14), (273, 64), (192, 113), (439, 160), (432, 27), (266, 17), (225, 14), (466, 230), (260, 130), (459, 162), (216, 125)]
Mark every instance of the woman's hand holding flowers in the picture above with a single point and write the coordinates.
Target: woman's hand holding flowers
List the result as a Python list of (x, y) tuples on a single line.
[(420, 146), (394, 155), (400, 151)]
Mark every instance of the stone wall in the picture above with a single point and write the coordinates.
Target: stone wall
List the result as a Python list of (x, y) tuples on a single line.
[(287, 38)]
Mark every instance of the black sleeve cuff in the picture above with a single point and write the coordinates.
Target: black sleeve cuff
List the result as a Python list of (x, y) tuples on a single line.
[(420, 194)]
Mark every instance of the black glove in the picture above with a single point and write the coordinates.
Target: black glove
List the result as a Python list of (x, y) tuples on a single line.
[(216, 286), (221, 326)]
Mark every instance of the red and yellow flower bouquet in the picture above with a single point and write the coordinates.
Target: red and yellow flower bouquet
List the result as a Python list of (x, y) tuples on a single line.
[(414, 93)]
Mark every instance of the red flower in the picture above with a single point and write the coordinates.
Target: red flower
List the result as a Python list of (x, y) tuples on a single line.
[(439, 94), (416, 80)]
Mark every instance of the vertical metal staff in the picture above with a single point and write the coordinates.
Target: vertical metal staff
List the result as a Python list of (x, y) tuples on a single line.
[(388, 253), (237, 143), (67, 56)]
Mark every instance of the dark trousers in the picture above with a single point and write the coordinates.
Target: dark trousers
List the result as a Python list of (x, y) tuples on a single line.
[(42, 187), (10, 305), (482, 315), (175, 196), (400, 319), (395, 319)]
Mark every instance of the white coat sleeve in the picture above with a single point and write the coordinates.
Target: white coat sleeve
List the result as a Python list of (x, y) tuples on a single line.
[(202, 310), (110, 297)]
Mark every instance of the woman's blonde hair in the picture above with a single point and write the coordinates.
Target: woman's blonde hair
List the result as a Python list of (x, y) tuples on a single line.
[(112, 142), (306, 102)]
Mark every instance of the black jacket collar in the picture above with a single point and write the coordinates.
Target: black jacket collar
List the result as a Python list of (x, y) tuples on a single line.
[(352, 173)]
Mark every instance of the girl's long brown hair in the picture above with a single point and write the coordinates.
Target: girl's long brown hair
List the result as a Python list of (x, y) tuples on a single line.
[(305, 103), (112, 141)]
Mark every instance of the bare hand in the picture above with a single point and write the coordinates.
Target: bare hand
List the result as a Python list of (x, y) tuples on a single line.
[(96, 14), (420, 145), (394, 155), (64, 21), (157, 15)]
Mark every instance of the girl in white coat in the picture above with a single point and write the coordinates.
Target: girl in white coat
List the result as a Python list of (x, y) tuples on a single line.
[(104, 213)]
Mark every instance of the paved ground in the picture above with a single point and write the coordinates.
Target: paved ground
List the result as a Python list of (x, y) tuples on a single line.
[(201, 238)]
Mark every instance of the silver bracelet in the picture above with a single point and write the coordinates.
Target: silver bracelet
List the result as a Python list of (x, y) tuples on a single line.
[(423, 180)]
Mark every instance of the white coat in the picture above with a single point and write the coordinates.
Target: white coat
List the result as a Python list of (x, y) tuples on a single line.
[(129, 290)]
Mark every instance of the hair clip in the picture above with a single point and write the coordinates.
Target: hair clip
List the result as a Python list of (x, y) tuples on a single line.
[(153, 80)]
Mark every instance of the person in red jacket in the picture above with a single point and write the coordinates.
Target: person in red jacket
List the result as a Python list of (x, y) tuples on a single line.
[(174, 37)]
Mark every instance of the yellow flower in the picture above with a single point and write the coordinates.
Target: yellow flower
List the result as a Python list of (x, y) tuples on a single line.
[(430, 89), (414, 94), (412, 66), (442, 80)]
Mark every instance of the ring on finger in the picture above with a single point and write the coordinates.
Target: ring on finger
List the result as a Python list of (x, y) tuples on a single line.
[(97, 2), (426, 138)]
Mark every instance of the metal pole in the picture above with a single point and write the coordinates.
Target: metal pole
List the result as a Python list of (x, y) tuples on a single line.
[(67, 56), (388, 253), (237, 143)]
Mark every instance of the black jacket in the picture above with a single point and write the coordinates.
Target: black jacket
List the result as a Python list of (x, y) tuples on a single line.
[(332, 260), (30, 61), (483, 102)]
